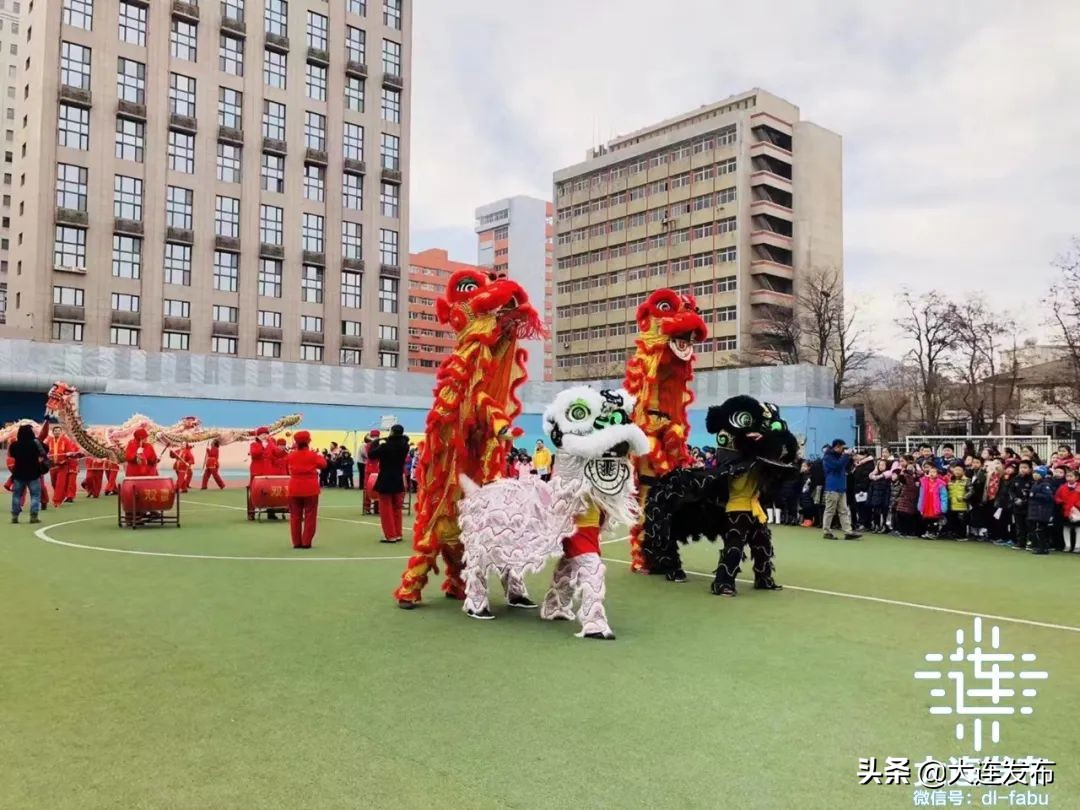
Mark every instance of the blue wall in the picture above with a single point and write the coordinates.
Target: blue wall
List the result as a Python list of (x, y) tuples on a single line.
[(15, 405)]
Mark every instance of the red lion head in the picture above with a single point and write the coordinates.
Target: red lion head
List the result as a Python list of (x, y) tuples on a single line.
[(670, 319), (473, 294)]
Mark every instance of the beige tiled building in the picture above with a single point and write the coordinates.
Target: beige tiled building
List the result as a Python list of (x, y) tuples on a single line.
[(10, 11), (222, 176), (733, 202)]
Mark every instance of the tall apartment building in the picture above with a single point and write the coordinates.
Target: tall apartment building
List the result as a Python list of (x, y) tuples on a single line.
[(734, 202), (223, 176), (429, 341), (515, 236), (10, 11)]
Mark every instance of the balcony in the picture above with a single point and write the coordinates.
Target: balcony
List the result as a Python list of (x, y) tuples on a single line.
[(276, 42), (185, 123), (767, 237), (763, 267), (173, 324), (391, 176), (274, 146), (233, 26), (131, 109), (772, 298), (312, 338), (355, 265), (185, 11), (224, 329), (317, 156), (772, 209), (69, 216), (268, 251), (269, 333), (352, 342), (356, 69), (228, 243), (184, 235), (763, 119), (318, 56), (75, 95), (125, 318), (231, 135), (393, 81), (389, 345), (390, 270), (311, 257), (772, 180), (130, 227), (769, 150), (71, 314), (354, 166)]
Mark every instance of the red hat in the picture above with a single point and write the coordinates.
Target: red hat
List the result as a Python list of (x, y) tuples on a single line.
[(261, 431), (374, 434), (141, 434), (302, 437), (281, 440)]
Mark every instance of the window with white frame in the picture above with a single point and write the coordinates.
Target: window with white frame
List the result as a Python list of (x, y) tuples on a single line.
[(391, 57), (132, 27), (355, 44), (79, 14), (316, 31), (391, 151), (357, 7), (226, 271), (178, 265), (354, 93), (315, 83), (131, 80), (273, 121), (352, 191), (181, 152), (388, 294), (388, 246), (233, 9), (175, 308), (222, 345), (229, 162), (69, 247), (352, 240), (268, 349), (315, 131), (314, 182), (273, 173), (126, 256), (226, 216), (312, 233), (176, 341), (352, 290), (230, 108), (181, 95), (130, 139), (392, 13), (311, 353), (271, 225), (71, 186), (270, 273), (389, 199), (311, 284), (73, 126), (231, 55), (225, 314), (269, 319), (391, 105), (275, 66), (178, 202), (127, 197), (311, 323), (75, 65), (123, 336), (124, 302), (183, 40), (353, 141)]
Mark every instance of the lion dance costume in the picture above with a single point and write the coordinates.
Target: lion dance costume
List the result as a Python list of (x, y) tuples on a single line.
[(515, 525), (469, 428), (659, 376), (755, 452)]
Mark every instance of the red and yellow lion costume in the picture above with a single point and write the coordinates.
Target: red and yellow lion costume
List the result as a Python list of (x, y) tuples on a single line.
[(659, 375), (468, 429)]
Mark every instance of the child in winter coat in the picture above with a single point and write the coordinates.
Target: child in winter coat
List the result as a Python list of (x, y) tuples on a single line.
[(879, 496), (1018, 494), (933, 502), (807, 505), (908, 522), (1040, 510), (958, 486), (1068, 503)]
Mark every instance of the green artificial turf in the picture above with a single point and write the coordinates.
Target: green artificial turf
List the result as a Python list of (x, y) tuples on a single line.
[(131, 681)]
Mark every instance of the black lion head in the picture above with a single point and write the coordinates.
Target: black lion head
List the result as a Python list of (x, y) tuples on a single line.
[(752, 429)]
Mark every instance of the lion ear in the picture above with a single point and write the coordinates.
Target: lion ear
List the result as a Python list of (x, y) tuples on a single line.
[(714, 419), (442, 310)]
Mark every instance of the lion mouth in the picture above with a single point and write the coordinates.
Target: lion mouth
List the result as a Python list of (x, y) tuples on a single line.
[(608, 474), (621, 450), (681, 347)]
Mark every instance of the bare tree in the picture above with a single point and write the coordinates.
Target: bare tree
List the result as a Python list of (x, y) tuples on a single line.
[(782, 341), (850, 363), (1064, 305), (885, 407), (930, 327), (985, 390)]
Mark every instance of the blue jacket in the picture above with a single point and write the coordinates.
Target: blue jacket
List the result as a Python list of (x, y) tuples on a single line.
[(1041, 504), (836, 467)]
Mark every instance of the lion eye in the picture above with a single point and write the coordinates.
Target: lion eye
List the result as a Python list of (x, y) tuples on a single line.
[(467, 285), (578, 411), (742, 419), (663, 306), (777, 426)]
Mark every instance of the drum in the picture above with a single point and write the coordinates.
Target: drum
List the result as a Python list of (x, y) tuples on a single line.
[(150, 493), (270, 492)]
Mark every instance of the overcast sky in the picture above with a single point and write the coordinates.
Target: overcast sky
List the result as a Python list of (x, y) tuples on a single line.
[(960, 120)]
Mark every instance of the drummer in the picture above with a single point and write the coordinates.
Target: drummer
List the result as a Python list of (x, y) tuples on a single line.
[(140, 455)]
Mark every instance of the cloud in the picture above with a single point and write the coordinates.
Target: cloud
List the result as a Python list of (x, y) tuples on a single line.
[(960, 119)]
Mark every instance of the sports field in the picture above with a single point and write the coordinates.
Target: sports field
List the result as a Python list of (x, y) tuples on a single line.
[(218, 668)]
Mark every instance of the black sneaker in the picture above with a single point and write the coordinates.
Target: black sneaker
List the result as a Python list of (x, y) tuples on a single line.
[(828, 536), (35, 519), (405, 604), (600, 636), (852, 536), (522, 602), (678, 575), (766, 584), (14, 518), (723, 589), (483, 615)]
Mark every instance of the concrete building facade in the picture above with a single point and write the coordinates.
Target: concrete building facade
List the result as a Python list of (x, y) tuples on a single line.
[(429, 341), (218, 177), (734, 202), (10, 11), (515, 236)]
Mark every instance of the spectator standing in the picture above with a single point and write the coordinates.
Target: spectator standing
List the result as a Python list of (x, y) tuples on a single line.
[(27, 460), (542, 461), (1040, 510), (390, 481), (1019, 494), (908, 522), (836, 463), (958, 486), (933, 502), (1068, 502), (880, 494)]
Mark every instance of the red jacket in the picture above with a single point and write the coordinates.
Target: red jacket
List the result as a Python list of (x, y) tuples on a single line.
[(185, 459), (278, 465), (259, 459), (304, 466), (148, 465), (61, 452), (211, 462), (1068, 498)]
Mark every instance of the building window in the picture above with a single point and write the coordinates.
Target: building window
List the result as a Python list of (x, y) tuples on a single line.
[(392, 14), (353, 141), (122, 302), (226, 271), (69, 247), (388, 359), (130, 137), (131, 81), (311, 284), (269, 319), (352, 190), (74, 65), (352, 240), (355, 44), (391, 152), (273, 173), (388, 200), (315, 131), (228, 162), (225, 314), (183, 40), (351, 290), (181, 152), (271, 231), (316, 31), (313, 353), (391, 105), (388, 294), (275, 66), (68, 296), (358, 7), (391, 57), (316, 82), (269, 349), (351, 328), (178, 265), (71, 186), (132, 23), (67, 331), (311, 323), (277, 17), (314, 182), (74, 127), (233, 9), (270, 278), (223, 345), (230, 108), (227, 216), (174, 308), (181, 95), (126, 256), (388, 246), (123, 336), (231, 55), (178, 207), (177, 341), (79, 14), (387, 332), (349, 357), (273, 121), (312, 233), (354, 93)]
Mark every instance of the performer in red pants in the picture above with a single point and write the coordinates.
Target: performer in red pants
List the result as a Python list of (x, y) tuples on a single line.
[(261, 460), (142, 459), (389, 455), (62, 452), (184, 461), (95, 471), (212, 465), (112, 471), (304, 465)]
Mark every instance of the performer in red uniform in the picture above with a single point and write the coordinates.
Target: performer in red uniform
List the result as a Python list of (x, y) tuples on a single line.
[(304, 465), (140, 455), (95, 471), (371, 475), (261, 460), (183, 464), (62, 451), (112, 470), (279, 458), (212, 465)]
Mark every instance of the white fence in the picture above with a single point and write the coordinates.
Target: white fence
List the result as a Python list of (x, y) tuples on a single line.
[(1043, 445)]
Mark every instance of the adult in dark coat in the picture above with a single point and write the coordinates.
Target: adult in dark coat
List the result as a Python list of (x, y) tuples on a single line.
[(26, 460), (390, 483)]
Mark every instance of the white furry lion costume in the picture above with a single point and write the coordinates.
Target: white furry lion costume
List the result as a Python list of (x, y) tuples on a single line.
[(514, 526)]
